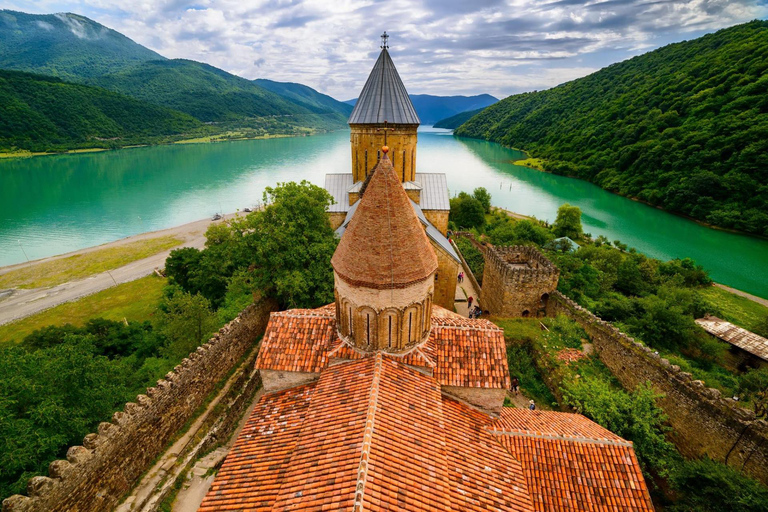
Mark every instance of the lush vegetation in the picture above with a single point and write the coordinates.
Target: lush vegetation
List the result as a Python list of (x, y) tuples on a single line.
[(283, 251), (468, 211), (434, 108), (684, 127), (61, 381), (65, 45), (587, 386), (45, 114)]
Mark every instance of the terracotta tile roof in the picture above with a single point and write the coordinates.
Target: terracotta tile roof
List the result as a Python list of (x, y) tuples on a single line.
[(297, 340), (460, 351), (254, 468), (386, 230), (373, 434), (571, 463), (483, 475), (468, 353)]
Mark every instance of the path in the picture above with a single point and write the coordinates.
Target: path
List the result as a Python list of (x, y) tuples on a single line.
[(734, 291), (19, 303), (464, 290)]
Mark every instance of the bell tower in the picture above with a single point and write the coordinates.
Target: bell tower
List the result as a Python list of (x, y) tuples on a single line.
[(384, 114)]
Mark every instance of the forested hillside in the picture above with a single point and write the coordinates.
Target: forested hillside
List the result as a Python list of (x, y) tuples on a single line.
[(684, 127), (41, 113), (305, 96), (65, 45), (453, 122)]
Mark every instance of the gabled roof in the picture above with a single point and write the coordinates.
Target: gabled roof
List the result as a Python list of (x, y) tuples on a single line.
[(459, 352), (384, 97), (374, 435), (384, 246), (571, 463), (735, 335)]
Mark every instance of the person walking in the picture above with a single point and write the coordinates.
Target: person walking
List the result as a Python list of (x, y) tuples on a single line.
[(532, 405), (469, 301), (515, 385)]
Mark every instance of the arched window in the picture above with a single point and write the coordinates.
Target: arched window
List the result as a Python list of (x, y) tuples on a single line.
[(403, 165), (526, 313), (366, 162), (366, 328), (388, 329), (544, 300), (411, 325), (425, 317)]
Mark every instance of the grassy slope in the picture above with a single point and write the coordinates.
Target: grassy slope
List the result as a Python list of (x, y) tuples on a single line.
[(684, 127), (453, 122), (79, 266), (42, 114), (736, 309), (134, 301)]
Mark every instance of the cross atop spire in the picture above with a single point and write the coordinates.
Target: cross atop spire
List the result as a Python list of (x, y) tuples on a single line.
[(384, 40)]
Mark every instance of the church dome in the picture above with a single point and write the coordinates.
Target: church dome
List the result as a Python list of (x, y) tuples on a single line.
[(384, 270), (385, 245)]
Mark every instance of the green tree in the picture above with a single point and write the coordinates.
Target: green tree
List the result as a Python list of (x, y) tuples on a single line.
[(186, 321), (484, 197), (568, 222), (708, 486), (467, 212)]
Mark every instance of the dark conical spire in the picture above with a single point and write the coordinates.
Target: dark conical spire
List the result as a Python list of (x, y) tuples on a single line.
[(384, 97)]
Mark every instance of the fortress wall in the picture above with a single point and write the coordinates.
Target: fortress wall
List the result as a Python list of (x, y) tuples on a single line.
[(514, 291), (98, 474), (703, 422)]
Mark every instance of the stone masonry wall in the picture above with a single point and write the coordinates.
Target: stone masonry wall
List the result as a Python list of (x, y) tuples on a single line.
[(98, 474), (515, 291), (703, 422)]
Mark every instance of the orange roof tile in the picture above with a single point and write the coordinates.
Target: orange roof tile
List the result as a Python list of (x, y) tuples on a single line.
[(254, 468), (460, 351), (387, 232), (571, 463), (373, 434)]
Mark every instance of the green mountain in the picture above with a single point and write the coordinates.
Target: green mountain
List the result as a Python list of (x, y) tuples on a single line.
[(305, 96), (41, 113), (211, 94), (65, 45), (684, 127), (453, 122)]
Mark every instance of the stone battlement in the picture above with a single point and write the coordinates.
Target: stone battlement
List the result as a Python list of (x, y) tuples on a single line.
[(517, 281), (703, 422), (96, 475)]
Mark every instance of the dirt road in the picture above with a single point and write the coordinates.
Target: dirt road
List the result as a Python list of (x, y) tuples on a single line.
[(18, 303)]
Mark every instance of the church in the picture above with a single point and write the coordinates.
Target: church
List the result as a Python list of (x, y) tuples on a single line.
[(385, 399)]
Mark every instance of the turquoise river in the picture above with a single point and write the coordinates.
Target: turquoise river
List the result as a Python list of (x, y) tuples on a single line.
[(56, 204)]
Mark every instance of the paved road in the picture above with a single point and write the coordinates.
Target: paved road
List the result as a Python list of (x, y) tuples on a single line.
[(19, 303)]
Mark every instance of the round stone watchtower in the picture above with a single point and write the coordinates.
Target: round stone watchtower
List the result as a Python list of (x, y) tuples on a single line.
[(384, 112), (384, 269)]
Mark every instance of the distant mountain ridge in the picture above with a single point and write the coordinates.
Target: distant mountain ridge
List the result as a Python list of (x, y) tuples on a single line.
[(684, 127), (305, 96), (65, 45), (432, 108), (77, 49), (453, 122)]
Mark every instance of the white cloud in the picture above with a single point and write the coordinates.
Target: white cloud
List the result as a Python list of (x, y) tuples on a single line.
[(439, 46)]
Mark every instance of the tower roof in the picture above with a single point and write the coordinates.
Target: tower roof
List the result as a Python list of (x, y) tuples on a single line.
[(384, 97), (384, 245)]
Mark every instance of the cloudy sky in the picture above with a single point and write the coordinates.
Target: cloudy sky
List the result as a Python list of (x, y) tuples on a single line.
[(499, 47)]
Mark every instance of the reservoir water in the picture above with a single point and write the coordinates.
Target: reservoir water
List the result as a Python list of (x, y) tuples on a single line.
[(55, 204)]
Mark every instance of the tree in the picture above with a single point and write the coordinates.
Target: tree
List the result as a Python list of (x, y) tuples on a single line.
[(568, 222), (484, 197), (289, 245), (467, 212), (186, 321)]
